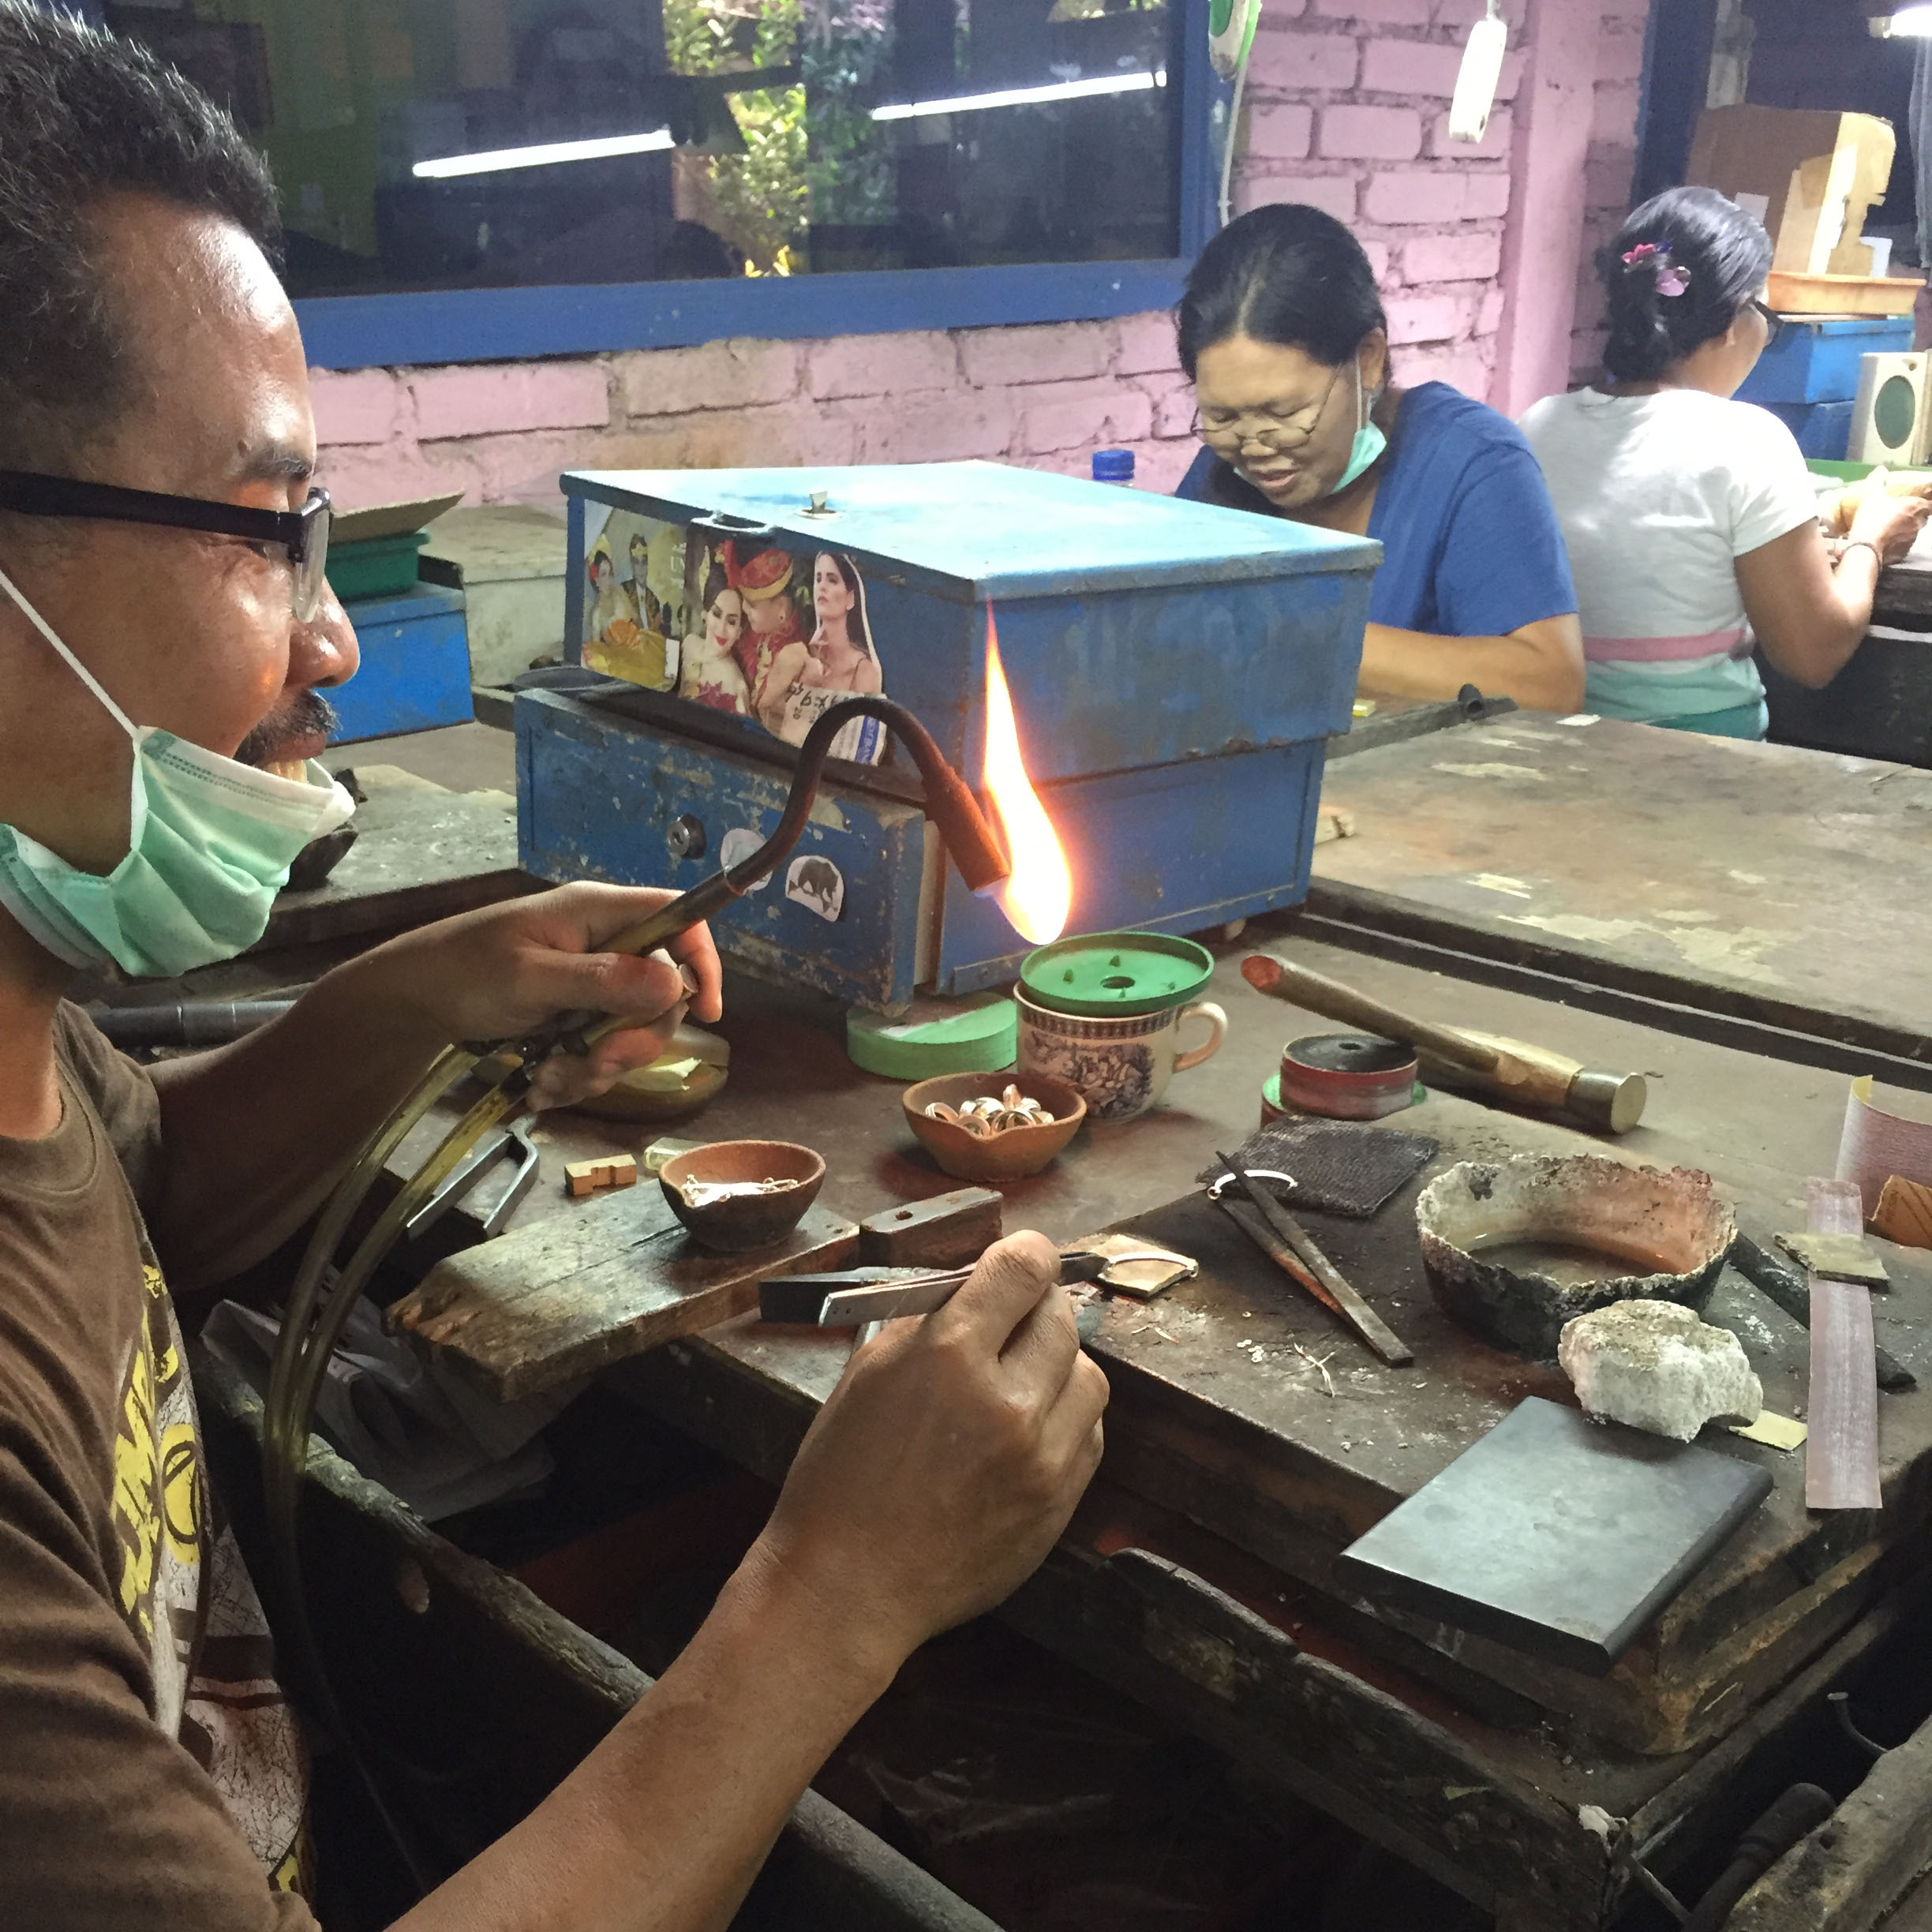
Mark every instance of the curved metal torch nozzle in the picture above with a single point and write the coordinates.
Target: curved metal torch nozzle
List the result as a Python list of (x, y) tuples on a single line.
[(976, 848)]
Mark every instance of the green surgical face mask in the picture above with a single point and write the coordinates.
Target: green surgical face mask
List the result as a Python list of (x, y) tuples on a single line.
[(1370, 441), (210, 842)]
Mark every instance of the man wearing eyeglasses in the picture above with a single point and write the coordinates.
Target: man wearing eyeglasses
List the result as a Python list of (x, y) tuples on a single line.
[(166, 635)]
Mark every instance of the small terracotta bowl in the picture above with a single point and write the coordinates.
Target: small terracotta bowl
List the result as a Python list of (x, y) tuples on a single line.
[(1008, 1156), (747, 1221)]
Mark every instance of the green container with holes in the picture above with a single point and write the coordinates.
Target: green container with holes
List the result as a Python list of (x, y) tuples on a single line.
[(1117, 976)]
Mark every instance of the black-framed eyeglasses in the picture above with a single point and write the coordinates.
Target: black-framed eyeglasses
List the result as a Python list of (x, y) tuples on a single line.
[(303, 533), (1774, 323)]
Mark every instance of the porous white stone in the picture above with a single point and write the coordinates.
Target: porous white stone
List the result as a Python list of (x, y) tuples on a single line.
[(1656, 1366)]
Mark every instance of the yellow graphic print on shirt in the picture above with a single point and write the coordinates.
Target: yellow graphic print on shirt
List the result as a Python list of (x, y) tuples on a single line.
[(160, 1582), (187, 1596)]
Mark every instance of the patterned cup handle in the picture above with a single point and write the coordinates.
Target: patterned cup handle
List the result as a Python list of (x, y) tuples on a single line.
[(1217, 1022)]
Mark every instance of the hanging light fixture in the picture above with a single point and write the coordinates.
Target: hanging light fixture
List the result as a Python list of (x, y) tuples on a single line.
[(1478, 78)]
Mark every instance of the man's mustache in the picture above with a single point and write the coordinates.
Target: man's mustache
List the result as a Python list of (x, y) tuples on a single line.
[(310, 715)]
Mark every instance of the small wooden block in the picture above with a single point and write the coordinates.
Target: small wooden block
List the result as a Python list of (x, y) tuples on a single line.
[(947, 1231), (607, 1170), (1905, 1213)]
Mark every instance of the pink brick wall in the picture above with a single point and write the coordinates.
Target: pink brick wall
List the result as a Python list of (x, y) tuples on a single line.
[(1347, 108), (1044, 397), (1612, 160)]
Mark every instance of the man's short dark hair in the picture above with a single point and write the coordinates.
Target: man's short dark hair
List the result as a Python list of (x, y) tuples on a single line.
[(84, 115)]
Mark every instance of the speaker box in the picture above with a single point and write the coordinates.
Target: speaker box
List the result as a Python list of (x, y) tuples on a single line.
[(1889, 421)]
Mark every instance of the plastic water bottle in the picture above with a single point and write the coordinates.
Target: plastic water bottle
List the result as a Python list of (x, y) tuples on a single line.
[(1114, 466)]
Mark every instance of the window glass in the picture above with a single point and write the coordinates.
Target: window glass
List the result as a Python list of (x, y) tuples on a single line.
[(453, 144)]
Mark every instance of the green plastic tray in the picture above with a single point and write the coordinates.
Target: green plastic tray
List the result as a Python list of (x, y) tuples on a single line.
[(378, 567)]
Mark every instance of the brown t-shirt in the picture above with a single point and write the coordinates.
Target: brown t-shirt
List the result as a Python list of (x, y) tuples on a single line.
[(151, 1773)]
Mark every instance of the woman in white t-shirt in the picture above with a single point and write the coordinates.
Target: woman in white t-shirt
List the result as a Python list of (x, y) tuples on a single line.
[(1691, 519)]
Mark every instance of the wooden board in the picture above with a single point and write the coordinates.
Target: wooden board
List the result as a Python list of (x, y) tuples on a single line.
[(1781, 885), (421, 853), (555, 1299)]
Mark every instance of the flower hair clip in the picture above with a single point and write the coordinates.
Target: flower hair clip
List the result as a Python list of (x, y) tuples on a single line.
[(1671, 279)]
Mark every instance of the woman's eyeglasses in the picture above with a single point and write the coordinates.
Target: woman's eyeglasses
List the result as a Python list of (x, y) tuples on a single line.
[(1774, 323), (1278, 430), (302, 534)]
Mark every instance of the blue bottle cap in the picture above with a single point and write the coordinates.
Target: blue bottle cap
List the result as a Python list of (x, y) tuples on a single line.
[(1113, 466)]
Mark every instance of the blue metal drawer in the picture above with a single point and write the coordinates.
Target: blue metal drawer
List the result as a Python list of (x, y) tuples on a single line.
[(597, 795)]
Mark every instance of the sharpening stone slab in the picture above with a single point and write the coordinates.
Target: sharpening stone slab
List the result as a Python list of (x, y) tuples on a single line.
[(1556, 1534)]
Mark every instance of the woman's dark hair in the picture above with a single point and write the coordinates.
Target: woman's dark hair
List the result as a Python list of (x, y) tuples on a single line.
[(1691, 237), (855, 626), (1287, 274)]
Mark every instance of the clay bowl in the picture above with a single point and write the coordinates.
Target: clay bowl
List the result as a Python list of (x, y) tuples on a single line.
[(748, 1221), (1008, 1156), (1515, 1249)]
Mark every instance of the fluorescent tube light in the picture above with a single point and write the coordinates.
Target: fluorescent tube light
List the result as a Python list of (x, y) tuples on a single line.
[(546, 154), (1137, 82), (1913, 20)]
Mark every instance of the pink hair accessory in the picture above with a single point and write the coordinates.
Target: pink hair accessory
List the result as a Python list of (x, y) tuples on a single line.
[(1671, 279)]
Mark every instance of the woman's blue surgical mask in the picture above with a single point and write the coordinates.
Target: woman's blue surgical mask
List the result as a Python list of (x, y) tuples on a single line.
[(1370, 441), (210, 842)]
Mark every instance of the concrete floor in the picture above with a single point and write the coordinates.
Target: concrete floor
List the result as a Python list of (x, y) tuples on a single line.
[(462, 757)]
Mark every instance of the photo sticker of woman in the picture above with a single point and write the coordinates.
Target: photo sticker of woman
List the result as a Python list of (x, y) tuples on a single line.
[(711, 673), (839, 660)]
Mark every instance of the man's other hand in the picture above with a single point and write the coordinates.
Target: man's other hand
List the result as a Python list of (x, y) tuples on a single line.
[(946, 1463), (507, 970)]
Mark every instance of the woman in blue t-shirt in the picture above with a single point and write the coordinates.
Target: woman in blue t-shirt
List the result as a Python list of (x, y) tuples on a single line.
[(1282, 334)]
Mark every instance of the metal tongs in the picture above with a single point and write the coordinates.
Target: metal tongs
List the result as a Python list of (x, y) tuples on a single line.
[(512, 1140), (1286, 1243), (854, 1297)]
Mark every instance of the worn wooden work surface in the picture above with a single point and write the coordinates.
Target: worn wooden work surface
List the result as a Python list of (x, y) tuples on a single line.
[(1481, 1789), (1256, 1449), (1783, 885)]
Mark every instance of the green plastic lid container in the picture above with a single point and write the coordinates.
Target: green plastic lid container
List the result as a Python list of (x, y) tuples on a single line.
[(1116, 975), (981, 1037)]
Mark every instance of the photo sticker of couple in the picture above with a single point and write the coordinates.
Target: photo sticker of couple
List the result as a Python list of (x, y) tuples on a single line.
[(633, 623), (781, 638)]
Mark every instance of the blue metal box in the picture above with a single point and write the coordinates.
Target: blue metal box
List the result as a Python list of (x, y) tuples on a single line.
[(1176, 670), (415, 670), (1817, 360)]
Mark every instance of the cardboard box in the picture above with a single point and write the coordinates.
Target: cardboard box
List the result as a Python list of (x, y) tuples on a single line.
[(1811, 176)]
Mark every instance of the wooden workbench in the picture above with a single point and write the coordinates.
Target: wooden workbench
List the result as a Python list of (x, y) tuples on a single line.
[(1195, 1577), (1756, 892)]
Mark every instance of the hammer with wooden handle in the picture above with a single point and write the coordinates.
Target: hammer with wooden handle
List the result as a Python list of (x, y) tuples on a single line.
[(1510, 1069)]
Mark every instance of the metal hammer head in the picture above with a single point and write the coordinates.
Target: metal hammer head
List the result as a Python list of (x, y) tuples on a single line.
[(1611, 1103)]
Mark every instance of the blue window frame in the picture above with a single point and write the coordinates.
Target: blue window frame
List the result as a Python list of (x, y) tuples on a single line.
[(492, 325)]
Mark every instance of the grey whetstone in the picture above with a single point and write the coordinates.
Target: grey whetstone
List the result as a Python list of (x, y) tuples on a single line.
[(1562, 1537), (571, 1292)]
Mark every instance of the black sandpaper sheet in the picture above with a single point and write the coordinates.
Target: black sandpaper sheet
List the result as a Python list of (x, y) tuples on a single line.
[(1340, 1167), (1558, 1536)]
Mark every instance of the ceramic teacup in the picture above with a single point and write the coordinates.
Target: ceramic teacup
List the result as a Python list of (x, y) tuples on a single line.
[(1122, 1066)]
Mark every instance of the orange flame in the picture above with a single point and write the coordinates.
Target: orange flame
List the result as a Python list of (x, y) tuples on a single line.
[(1039, 895)]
